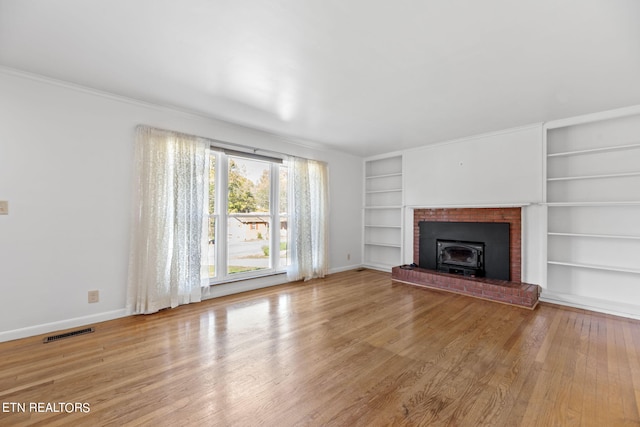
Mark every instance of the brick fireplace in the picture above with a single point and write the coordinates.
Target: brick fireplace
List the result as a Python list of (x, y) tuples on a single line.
[(511, 292), (512, 216)]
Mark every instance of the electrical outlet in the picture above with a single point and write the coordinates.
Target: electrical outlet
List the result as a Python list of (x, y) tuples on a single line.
[(93, 296), (4, 207), (348, 257)]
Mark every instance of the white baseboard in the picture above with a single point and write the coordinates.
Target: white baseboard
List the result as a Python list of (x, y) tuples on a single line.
[(60, 325), (631, 311), (345, 268)]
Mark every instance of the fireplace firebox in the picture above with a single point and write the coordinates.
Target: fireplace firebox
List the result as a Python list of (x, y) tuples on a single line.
[(460, 257), (478, 249)]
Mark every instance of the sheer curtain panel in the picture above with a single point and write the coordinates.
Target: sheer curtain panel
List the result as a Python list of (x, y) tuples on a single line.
[(309, 219), (169, 222)]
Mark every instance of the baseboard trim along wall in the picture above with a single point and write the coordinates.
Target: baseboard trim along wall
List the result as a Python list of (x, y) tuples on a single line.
[(631, 311), (60, 325), (345, 268)]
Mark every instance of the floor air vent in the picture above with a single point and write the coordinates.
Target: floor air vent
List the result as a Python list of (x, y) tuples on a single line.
[(68, 334)]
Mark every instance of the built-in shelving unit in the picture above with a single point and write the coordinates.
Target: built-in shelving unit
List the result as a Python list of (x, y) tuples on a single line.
[(383, 207), (593, 200)]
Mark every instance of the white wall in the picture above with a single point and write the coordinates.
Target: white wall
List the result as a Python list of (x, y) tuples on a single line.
[(66, 159), (498, 169)]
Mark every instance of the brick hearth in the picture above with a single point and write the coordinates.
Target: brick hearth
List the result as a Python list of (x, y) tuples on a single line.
[(509, 292), (515, 293)]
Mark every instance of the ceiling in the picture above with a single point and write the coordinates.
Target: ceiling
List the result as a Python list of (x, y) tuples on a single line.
[(362, 76)]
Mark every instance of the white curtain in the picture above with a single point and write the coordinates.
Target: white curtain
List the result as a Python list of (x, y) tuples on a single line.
[(308, 194), (169, 221)]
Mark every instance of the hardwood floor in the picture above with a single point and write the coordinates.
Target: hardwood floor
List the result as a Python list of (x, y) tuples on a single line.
[(352, 349)]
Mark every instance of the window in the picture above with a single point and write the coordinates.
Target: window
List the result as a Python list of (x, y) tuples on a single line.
[(176, 252), (247, 217)]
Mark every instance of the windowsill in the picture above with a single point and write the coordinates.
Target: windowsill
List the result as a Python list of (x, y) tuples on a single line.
[(244, 284), (241, 277)]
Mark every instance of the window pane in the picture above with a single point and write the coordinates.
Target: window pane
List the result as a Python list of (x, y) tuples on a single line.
[(248, 221), (248, 243), (249, 184)]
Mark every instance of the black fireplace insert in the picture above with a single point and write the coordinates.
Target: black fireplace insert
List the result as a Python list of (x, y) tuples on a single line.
[(480, 247), (460, 257)]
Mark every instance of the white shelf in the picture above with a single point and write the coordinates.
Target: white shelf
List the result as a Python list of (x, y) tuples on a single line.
[(382, 226), (595, 150), (391, 190), (596, 267), (612, 175), (386, 175), (604, 204), (388, 245), (596, 236)]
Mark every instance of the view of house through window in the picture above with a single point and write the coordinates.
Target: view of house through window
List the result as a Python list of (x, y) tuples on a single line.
[(248, 219), (247, 216)]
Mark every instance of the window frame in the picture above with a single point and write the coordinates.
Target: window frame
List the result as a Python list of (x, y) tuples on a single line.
[(221, 218)]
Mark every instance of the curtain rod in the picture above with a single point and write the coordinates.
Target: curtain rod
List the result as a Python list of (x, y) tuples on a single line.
[(252, 150)]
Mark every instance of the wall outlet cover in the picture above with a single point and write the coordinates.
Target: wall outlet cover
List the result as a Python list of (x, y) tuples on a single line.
[(93, 296)]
